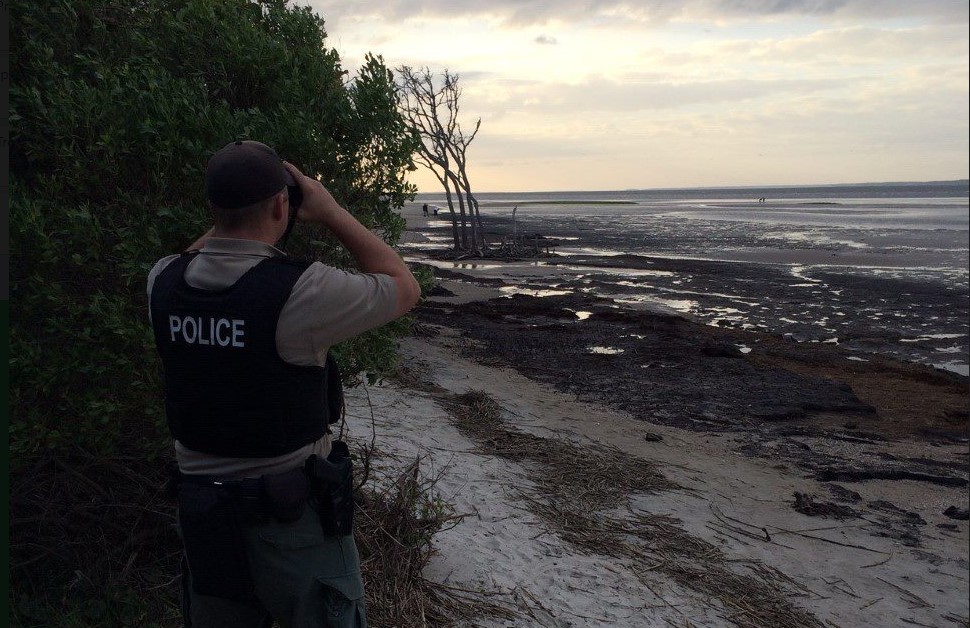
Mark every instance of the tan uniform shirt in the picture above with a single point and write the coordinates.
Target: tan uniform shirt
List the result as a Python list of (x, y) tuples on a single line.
[(326, 306)]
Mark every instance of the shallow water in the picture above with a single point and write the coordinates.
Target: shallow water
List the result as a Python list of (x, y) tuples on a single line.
[(873, 268)]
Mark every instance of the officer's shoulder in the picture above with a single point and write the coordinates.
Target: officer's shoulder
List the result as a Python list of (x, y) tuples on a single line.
[(301, 268), (165, 261), (161, 265), (315, 266), (291, 262), (315, 275)]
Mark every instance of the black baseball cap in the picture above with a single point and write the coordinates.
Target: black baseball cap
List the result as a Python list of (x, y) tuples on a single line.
[(244, 172)]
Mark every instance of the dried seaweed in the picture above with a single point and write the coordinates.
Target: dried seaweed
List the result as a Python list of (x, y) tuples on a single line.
[(578, 488)]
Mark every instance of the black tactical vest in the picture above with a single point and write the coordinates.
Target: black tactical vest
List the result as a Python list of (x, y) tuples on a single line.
[(227, 391)]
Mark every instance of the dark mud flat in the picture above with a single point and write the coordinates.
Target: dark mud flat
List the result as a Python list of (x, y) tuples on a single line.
[(666, 369), (779, 398), (880, 301)]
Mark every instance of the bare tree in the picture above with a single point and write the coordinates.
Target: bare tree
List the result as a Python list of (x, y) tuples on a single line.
[(432, 107)]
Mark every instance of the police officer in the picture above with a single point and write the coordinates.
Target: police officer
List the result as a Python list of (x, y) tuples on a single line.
[(244, 334)]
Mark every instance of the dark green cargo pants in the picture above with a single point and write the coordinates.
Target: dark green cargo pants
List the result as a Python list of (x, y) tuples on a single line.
[(302, 579)]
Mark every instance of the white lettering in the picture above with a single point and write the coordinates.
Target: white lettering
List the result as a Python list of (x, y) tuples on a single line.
[(174, 325), (223, 340), (222, 331), (189, 337), (202, 339), (237, 333)]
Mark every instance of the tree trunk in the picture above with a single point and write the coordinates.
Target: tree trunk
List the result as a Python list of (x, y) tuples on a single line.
[(461, 209), (473, 204), (454, 218)]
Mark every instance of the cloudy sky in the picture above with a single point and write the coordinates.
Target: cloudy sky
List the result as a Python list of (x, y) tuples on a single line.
[(614, 94)]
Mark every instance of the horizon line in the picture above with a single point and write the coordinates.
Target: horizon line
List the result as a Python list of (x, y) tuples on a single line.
[(723, 187)]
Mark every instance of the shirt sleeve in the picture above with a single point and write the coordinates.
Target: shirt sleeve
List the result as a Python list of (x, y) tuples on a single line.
[(328, 305)]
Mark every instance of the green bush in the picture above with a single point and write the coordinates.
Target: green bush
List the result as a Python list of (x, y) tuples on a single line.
[(115, 108)]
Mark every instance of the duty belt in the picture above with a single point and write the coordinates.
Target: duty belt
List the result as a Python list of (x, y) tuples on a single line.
[(282, 495)]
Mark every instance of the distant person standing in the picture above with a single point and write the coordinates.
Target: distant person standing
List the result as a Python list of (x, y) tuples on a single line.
[(424, 209)]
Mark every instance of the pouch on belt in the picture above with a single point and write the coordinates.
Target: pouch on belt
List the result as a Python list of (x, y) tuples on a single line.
[(286, 494), (212, 531)]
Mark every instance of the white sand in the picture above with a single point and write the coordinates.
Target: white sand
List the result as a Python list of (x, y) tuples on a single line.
[(500, 546)]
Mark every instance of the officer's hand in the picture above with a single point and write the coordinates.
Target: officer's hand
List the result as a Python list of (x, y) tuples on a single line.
[(318, 204)]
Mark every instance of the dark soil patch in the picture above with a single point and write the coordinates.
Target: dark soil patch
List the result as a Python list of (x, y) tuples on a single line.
[(668, 370)]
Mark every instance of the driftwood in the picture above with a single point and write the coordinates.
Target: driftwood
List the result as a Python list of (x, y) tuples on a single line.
[(856, 475), (533, 245), (807, 505)]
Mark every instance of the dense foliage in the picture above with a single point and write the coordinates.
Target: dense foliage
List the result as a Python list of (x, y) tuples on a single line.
[(114, 109)]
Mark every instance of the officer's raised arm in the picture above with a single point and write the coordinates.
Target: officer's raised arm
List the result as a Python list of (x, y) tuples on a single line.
[(373, 255)]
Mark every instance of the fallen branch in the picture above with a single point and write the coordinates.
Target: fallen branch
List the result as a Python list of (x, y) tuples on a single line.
[(856, 475), (822, 538)]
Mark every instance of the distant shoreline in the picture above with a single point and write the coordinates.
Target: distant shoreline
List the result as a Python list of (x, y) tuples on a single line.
[(555, 202), (964, 183)]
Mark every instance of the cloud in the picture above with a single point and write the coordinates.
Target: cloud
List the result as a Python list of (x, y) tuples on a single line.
[(688, 92), (601, 95), (848, 47), (658, 12)]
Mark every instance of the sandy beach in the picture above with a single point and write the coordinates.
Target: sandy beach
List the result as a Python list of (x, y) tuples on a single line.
[(595, 510), (840, 571)]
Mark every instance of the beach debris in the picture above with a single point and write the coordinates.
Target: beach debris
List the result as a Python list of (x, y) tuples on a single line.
[(906, 515), (652, 437), (526, 246), (806, 504), (856, 475), (900, 525), (440, 291), (843, 494), (397, 517), (961, 514), (908, 539)]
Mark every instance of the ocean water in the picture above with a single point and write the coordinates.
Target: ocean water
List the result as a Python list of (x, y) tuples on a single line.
[(876, 268)]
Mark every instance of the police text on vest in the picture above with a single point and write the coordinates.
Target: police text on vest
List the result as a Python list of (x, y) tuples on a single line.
[(200, 330)]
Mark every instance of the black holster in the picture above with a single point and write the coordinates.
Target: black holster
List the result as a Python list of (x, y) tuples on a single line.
[(332, 484)]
